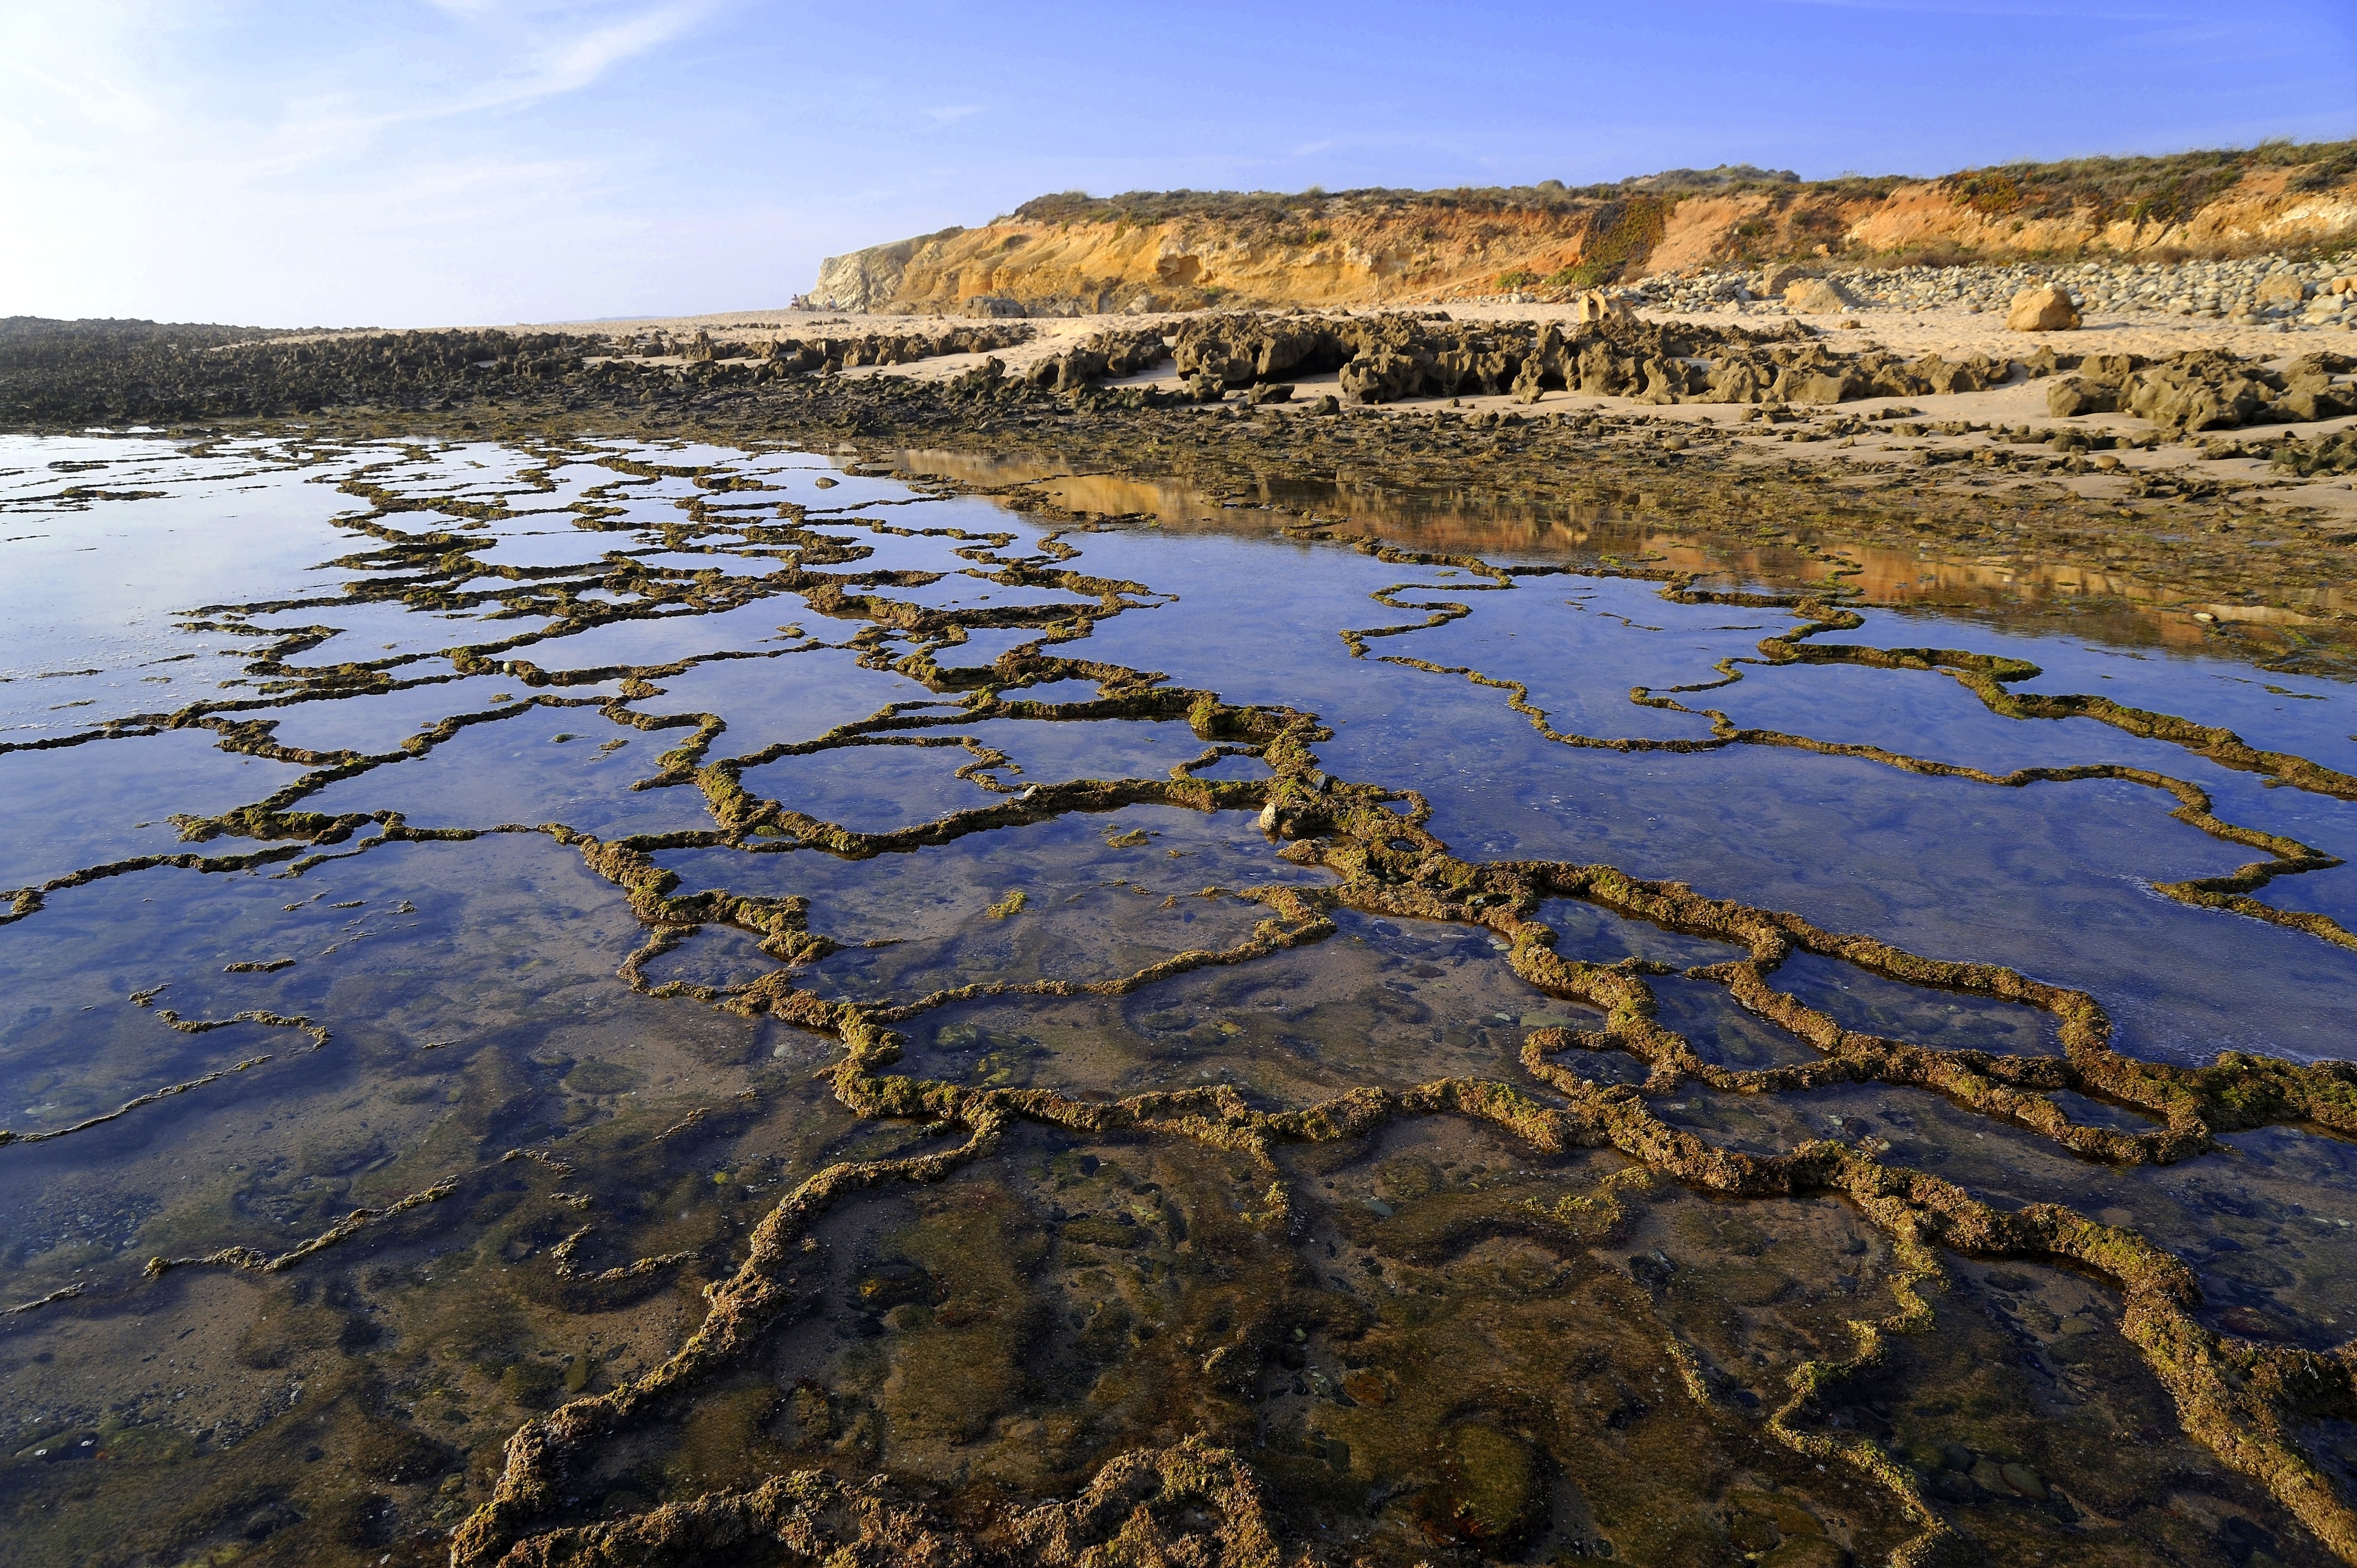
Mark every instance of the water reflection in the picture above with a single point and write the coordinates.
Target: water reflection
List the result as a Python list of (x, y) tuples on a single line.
[(557, 868)]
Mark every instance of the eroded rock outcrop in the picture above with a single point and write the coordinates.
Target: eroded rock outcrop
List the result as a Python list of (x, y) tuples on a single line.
[(849, 353), (1114, 354), (1192, 250), (1386, 358), (2208, 389), (870, 279)]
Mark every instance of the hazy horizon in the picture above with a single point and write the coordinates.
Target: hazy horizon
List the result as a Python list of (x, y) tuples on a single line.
[(419, 163)]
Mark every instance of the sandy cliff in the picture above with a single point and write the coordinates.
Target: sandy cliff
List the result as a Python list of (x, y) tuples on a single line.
[(1185, 250)]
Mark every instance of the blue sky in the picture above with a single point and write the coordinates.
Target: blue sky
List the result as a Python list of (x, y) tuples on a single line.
[(415, 162)]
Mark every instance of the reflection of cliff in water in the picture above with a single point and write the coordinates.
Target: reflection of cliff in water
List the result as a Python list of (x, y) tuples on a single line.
[(2138, 601)]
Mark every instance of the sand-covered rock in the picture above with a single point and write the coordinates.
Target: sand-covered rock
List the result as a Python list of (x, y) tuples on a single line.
[(1816, 296), (2074, 395), (2281, 288), (2046, 309), (1597, 306)]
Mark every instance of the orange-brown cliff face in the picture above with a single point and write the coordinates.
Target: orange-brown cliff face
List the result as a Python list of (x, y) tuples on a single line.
[(1185, 250)]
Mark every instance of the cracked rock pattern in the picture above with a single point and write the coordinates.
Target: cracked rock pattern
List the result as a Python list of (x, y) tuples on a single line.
[(587, 1001)]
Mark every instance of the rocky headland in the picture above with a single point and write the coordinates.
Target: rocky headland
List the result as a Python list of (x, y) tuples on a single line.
[(1146, 250)]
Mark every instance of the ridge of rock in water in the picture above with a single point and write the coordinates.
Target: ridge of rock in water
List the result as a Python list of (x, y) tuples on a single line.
[(1032, 1038), (1573, 1283)]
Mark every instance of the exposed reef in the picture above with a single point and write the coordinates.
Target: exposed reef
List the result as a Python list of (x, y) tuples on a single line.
[(900, 1270)]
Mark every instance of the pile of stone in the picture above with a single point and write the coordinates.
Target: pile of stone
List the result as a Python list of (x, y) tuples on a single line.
[(2247, 292), (2252, 291)]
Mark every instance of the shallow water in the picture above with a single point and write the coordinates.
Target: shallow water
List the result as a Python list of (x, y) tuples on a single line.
[(456, 893)]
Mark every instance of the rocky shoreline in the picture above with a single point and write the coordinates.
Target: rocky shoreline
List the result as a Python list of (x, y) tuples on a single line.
[(2208, 491)]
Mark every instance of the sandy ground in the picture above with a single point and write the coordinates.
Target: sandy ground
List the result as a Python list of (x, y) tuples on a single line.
[(1951, 332)]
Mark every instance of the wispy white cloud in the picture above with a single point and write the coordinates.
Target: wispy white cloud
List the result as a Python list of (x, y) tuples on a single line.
[(290, 154), (268, 160), (128, 68), (570, 64)]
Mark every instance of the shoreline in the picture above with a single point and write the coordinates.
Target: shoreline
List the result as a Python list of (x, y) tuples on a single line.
[(1984, 490)]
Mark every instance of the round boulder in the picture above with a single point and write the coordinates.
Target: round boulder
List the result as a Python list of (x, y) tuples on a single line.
[(2281, 288), (1815, 296), (2047, 309)]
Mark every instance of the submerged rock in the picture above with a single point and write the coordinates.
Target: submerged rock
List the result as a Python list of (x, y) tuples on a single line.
[(1491, 1490)]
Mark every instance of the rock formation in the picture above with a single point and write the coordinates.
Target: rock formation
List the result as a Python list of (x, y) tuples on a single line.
[(2206, 390), (1384, 359), (1115, 354), (870, 279)]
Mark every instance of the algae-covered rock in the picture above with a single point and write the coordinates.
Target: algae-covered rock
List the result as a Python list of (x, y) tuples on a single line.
[(1491, 1490), (530, 1383), (1408, 1177), (890, 1283), (596, 1077), (1097, 1231), (1767, 1527), (723, 1438)]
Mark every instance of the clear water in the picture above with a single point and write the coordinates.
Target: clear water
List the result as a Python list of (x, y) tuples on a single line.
[(315, 893)]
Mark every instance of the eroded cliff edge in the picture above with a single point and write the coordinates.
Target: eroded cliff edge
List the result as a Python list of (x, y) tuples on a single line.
[(1075, 253)]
